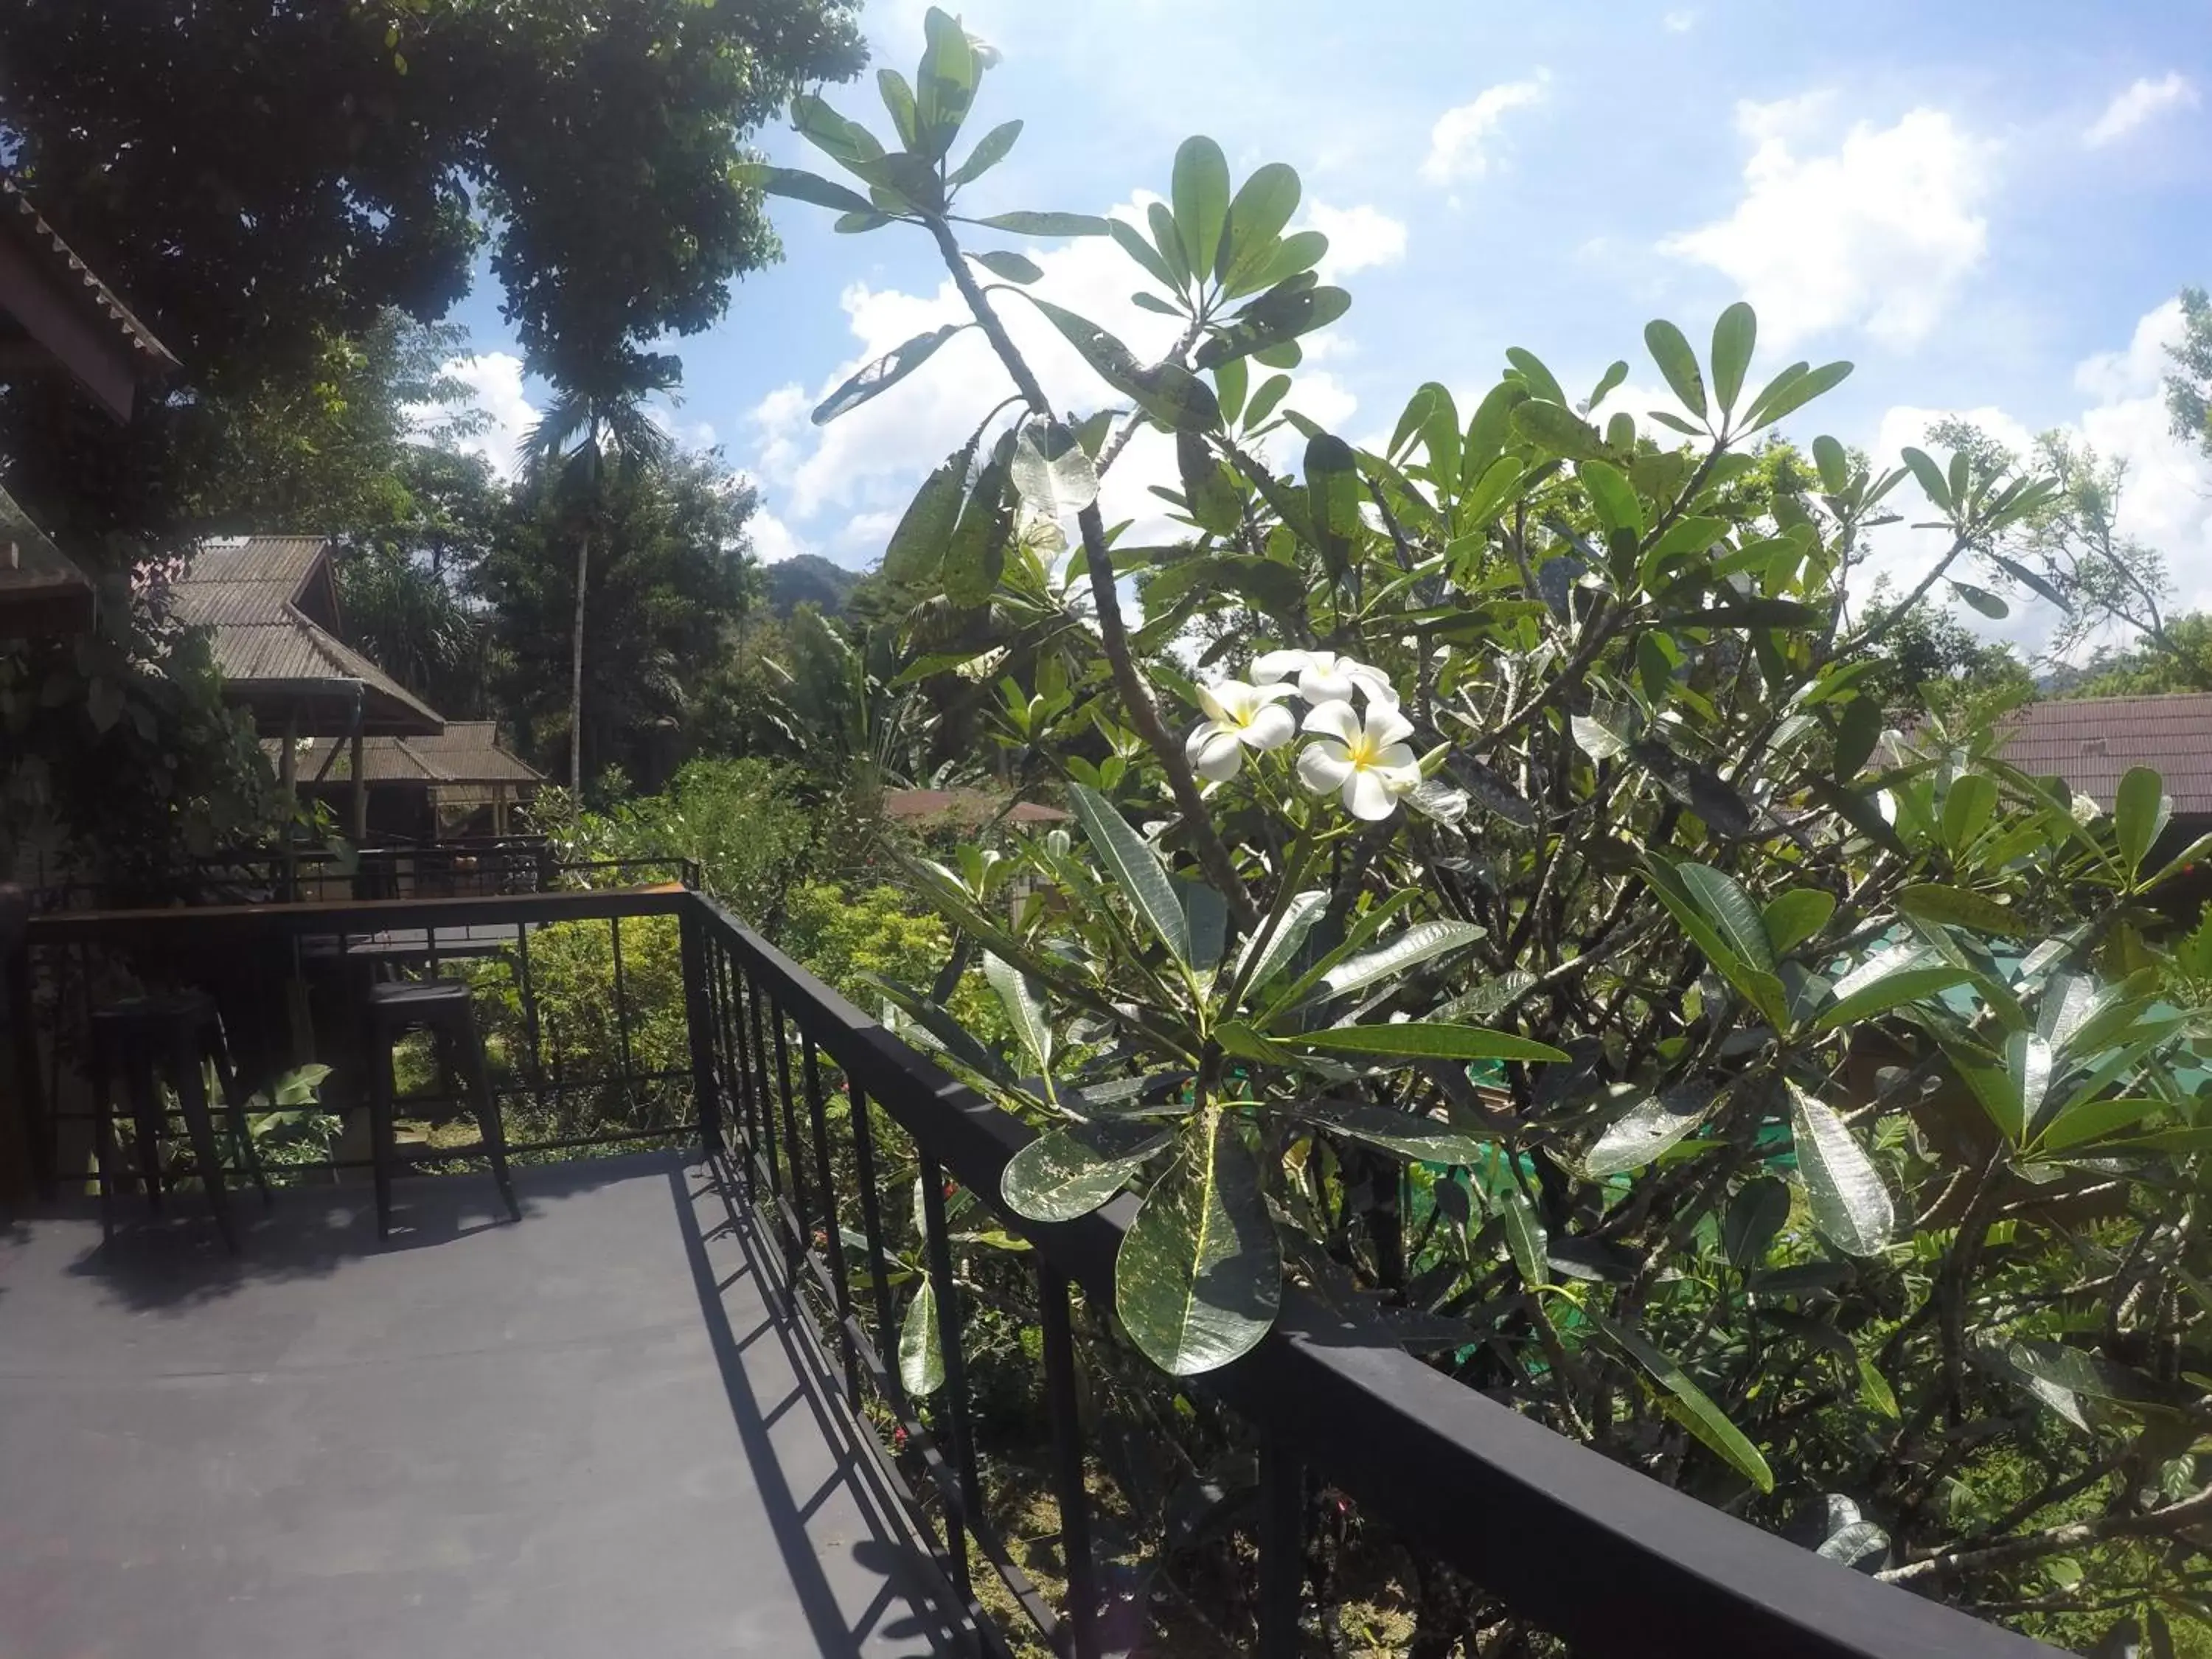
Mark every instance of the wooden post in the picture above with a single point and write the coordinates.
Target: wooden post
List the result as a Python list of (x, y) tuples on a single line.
[(288, 775), (23, 1153), (355, 758)]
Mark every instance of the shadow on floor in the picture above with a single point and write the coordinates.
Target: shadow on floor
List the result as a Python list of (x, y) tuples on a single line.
[(894, 1553), (176, 1260)]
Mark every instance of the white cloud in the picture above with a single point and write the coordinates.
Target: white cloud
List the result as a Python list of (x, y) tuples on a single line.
[(1359, 238), (772, 539), (493, 380), (2139, 103), (1679, 22), (1458, 143), (1879, 235), (2166, 500), (842, 487)]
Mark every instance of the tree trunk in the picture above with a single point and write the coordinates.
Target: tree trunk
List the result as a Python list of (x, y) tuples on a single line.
[(576, 667)]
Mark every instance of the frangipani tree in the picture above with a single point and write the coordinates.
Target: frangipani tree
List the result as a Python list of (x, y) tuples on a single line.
[(1538, 947)]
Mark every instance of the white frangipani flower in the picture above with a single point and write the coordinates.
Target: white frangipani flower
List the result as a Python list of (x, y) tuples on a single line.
[(1324, 676), (1237, 717), (1369, 763)]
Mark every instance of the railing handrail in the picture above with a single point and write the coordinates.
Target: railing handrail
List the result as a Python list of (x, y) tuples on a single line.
[(361, 915), (1589, 1549)]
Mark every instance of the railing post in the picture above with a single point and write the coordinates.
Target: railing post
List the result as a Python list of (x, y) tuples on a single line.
[(1282, 1545), (1063, 1406), (25, 1156), (698, 1018)]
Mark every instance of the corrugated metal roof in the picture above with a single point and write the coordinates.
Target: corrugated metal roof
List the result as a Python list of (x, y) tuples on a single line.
[(32, 569), (248, 590), (25, 223), (2091, 742)]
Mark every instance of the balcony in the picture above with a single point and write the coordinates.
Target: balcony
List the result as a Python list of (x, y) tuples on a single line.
[(669, 1411)]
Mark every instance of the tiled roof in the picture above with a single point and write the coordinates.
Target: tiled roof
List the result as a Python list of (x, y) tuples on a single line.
[(466, 752), (23, 220), (2091, 742), (271, 654)]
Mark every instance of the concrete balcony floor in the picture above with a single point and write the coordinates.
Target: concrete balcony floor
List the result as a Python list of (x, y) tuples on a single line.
[(584, 1435)]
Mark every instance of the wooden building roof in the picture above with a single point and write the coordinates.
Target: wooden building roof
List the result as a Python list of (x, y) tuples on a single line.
[(272, 602)]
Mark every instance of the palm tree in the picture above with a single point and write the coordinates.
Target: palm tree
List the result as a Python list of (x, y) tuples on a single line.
[(598, 417)]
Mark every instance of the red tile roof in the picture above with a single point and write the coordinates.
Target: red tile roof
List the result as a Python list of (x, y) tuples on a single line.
[(2091, 742)]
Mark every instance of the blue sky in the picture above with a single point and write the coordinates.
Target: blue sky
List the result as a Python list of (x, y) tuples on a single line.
[(1986, 207)]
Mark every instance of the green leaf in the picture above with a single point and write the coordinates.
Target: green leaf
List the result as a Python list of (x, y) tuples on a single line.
[(1075, 1168), (800, 186), (1934, 902), (1734, 337), (1265, 955), (1159, 218), (1023, 999), (1416, 944), (975, 554), (1199, 1276), (1874, 1389), (2139, 811), (1170, 394), (1539, 380), (1612, 494), (1200, 190), (1793, 917), (1295, 254), (1012, 266), (1791, 389), (1050, 224), (852, 224), (1135, 867), (1933, 482), (1131, 242), (1835, 467), (1761, 988), (1754, 1216), (843, 141), (1596, 738), (1272, 392), (1414, 1040), (1858, 729), (1891, 991), (1967, 805), (898, 100), (920, 1355), (945, 86), (1280, 314), (1671, 351), (1405, 1134), (1647, 1128), (1496, 487), (1208, 490), (1730, 910), (1615, 374), (1050, 469), (1333, 497), (2093, 1120), (1263, 206), (1557, 430), (886, 372), (915, 551), (1524, 1235), (1989, 605), (1688, 1404), (1851, 1206), (1231, 380), (990, 149)]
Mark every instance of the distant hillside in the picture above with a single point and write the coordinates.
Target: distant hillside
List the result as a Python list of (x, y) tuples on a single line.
[(810, 576)]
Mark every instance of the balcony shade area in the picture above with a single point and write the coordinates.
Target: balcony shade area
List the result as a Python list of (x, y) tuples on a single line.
[(584, 1435)]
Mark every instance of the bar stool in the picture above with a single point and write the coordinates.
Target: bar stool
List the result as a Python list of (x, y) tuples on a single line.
[(443, 1008), (148, 1039)]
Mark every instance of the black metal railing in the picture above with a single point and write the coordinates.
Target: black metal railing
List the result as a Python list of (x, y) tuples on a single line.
[(816, 1114), (582, 1056), (1588, 1550)]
